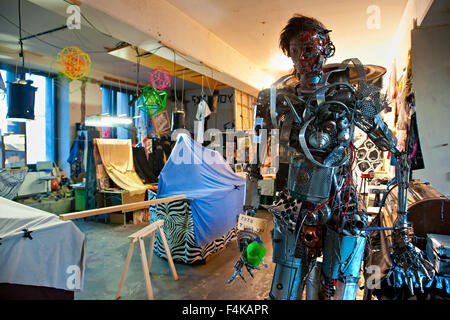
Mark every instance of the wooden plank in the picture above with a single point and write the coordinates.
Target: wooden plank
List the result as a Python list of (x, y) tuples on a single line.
[(123, 207)]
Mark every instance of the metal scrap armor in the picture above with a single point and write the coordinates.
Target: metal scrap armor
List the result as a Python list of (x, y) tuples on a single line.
[(320, 225), (319, 236)]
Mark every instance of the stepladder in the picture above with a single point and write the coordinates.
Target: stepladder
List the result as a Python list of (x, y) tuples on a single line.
[(138, 237)]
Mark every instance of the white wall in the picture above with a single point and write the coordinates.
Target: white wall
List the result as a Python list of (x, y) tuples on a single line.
[(414, 13), (93, 102), (415, 10), (431, 76)]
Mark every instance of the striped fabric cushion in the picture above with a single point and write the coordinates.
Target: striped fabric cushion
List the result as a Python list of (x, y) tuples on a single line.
[(179, 231)]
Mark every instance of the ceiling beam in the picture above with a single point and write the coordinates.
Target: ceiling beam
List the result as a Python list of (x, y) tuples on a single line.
[(148, 24), (154, 62)]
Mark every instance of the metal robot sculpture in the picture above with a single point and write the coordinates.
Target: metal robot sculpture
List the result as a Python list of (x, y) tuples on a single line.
[(319, 235)]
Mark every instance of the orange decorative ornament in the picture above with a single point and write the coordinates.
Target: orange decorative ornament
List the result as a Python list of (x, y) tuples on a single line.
[(73, 62)]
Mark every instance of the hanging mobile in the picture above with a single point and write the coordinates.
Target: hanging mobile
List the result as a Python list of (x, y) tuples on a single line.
[(73, 62)]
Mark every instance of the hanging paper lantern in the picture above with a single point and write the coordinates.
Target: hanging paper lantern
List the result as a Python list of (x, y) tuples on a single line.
[(73, 62), (151, 101), (159, 78)]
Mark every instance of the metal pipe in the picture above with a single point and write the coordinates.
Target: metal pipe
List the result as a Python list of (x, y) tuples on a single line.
[(44, 32), (377, 229)]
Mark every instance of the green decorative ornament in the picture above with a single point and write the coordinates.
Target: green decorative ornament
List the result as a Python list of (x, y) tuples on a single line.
[(255, 253), (152, 101)]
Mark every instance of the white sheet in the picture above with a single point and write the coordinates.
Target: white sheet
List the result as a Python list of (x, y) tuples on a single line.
[(53, 258)]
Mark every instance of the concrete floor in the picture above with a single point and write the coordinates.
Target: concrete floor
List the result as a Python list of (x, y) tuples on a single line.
[(106, 250)]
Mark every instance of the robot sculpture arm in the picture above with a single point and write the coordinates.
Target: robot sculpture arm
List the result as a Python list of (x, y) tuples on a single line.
[(406, 259)]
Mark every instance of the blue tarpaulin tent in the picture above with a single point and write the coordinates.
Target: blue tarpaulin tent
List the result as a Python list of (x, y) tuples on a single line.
[(216, 194)]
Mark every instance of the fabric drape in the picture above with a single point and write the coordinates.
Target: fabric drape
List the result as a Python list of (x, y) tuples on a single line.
[(117, 158), (215, 193)]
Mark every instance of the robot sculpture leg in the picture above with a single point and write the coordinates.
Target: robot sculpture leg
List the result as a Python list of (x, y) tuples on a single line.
[(341, 266), (286, 283)]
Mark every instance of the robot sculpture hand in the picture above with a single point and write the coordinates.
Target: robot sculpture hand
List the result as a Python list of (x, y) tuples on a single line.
[(317, 217)]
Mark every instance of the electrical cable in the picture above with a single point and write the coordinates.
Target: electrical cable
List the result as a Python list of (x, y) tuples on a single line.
[(29, 33), (22, 74), (89, 22), (53, 45), (386, 193), (182, 92), (175, 80), (350, 178), (347, 182), (190, 61), (44, 41)]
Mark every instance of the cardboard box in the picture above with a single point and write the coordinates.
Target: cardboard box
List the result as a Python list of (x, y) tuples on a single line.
[(116, 218)]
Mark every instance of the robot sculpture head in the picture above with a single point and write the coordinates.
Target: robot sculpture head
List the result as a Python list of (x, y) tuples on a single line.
[(306, 41)]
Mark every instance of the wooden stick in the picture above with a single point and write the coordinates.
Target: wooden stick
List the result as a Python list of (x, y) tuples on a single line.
[(169, 256), (125, 269), (146, 270), (146, 262), (150, 249), (123, 207)]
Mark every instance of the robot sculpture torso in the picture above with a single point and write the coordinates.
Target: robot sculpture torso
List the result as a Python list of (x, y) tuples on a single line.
[(318, 213)]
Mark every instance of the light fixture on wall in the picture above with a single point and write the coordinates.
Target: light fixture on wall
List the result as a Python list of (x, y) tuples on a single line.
[(21, 92), (106, 121)]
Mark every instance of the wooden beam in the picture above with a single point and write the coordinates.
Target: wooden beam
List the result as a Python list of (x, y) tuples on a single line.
[(211, 66), (147, 230), (123, 207), (154, 61), (173, 48)]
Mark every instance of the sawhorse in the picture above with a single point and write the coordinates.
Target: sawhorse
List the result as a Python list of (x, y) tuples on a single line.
[(138, 236)]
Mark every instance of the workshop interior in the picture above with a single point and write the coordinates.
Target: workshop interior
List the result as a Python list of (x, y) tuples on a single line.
[(224, 150)]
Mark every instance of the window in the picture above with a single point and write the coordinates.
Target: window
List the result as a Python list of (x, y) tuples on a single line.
[(39, 132), (115, 103), (35, 130), (3, 106)]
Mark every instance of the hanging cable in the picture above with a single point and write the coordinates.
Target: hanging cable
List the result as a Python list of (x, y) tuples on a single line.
[(202, 86), (175, 79), (138, 62), (22, 74), (89, 22), (350, 178), (182, 91)]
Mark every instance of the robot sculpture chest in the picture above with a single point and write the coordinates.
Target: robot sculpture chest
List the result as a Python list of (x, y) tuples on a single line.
[(322, 147)]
